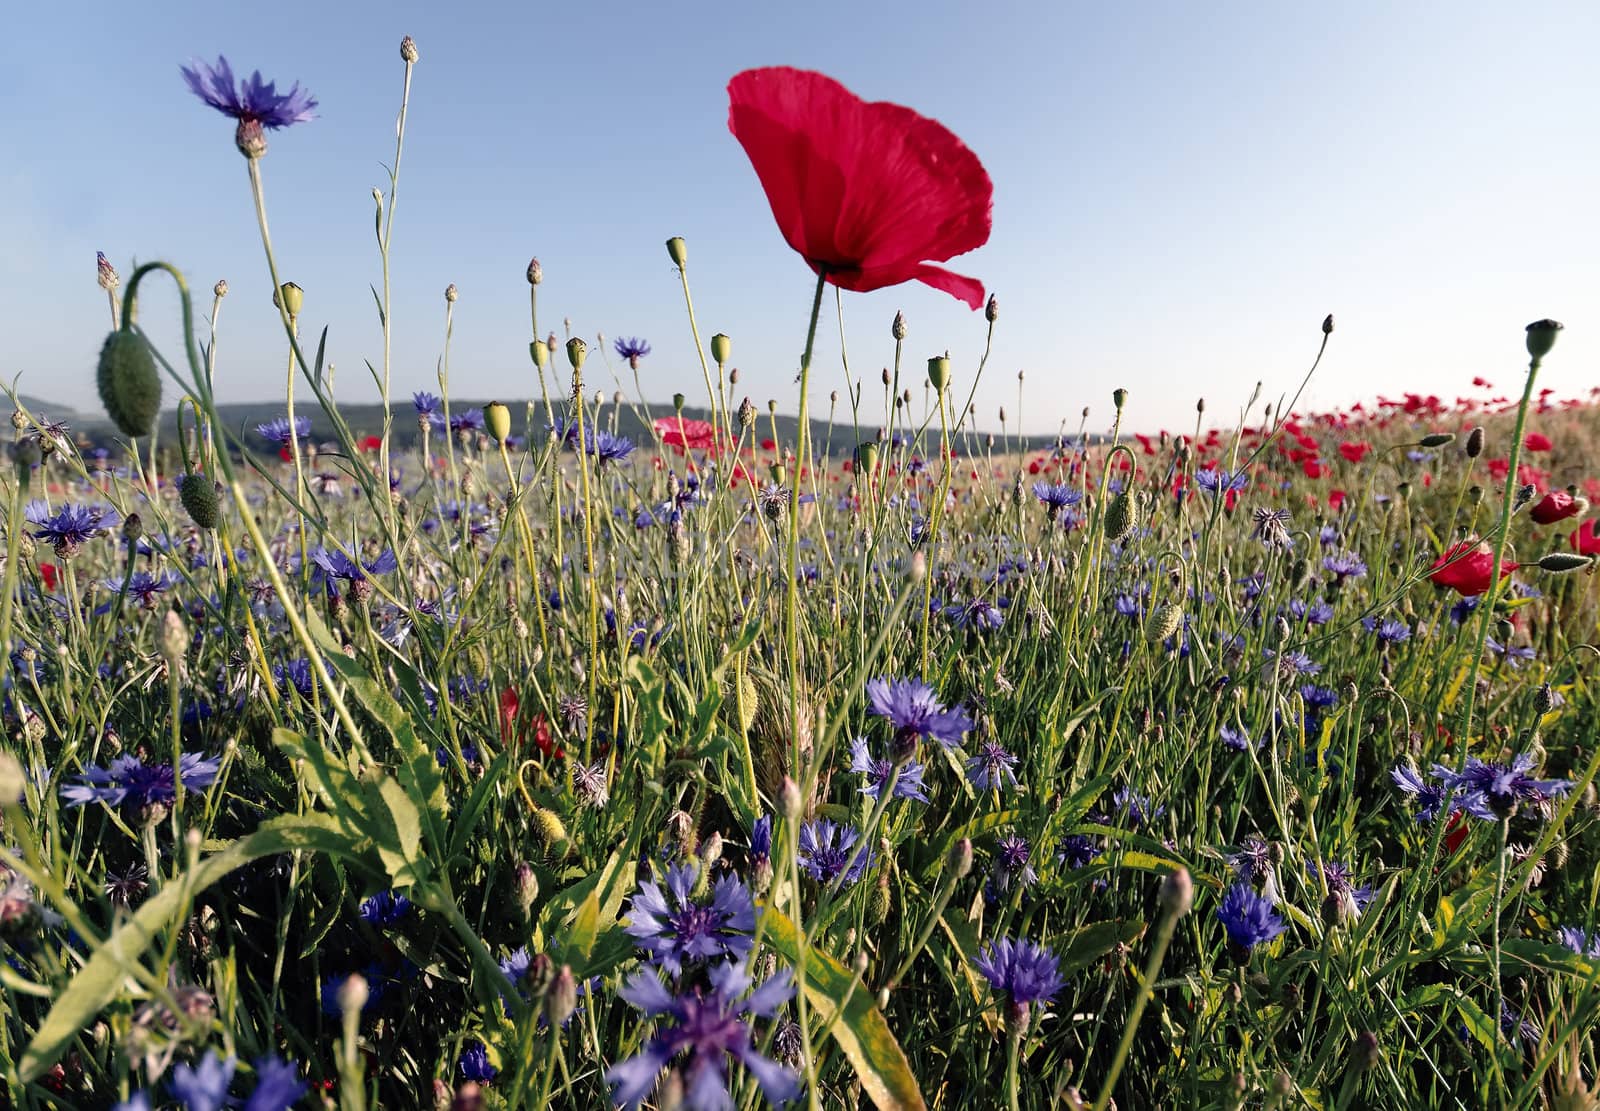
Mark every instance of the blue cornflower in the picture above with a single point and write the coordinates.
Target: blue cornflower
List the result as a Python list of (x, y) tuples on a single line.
[(1435, 797), (1218, 481), (606, 448), (204, 1088), (1236, 739), (1248, 918), (1137, 809), (1342, 887), (907, 785), (296, 673), (253, 101), (1011, 856), (378, 984), (70, 528), (710, 1026), (1295, 663), (1463, 610), (384, 909), (128, 780), (145, 588), (1328, 535), (632, 349), (1513, 655), (1316, 612), (1056, 496), (1129, 606), (425, 403), (978, 614), (463, 420), (825, 852), (1499, 787), (1345, 565), (139, 1101), (761, 841), (1079, 850), (1318, 698), (475, 1065), (278, 1086), (277, 430), (915, 713), (1389, 630), (992, 768), (1515, 1028), (1025, 971), (1585, 944), (675, 930), (336, 564)]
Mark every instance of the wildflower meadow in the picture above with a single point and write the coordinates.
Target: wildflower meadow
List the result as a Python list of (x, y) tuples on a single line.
[(582, 750)]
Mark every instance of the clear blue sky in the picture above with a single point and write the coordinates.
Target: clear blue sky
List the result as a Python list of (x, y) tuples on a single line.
[(1181, 190)]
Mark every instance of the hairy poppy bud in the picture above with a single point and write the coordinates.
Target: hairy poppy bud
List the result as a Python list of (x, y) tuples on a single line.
[(408, 49), (1542, 337), (1327, 325), (130, 385), (881, 903), (991, 311), (451, 293), (548, 830), (1121, 518), (721, 348), (677, 251), (939, 372), (497, 420), (1164, 623), (199, 497), (174, 640), (1177, 893), (898, 328), (1559, 563), (1475, 440), (1437, 439)]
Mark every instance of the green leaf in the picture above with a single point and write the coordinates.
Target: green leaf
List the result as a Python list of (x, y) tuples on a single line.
[(975, 828), (860, 1031), (115, 960), (1083, 946)]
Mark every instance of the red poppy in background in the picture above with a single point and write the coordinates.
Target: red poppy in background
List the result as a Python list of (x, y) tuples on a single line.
[(371, 443), (1586, 538), (47, 572), (1354, 452), (683, 432), (867, 191), (1466, 568), (1536, 441), (1555, 506)]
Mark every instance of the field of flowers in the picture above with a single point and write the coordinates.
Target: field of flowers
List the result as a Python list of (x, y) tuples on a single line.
[(533, 766)]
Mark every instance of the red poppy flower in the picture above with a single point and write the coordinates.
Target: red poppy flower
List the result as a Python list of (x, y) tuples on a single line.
[(683, 432), (1555, 506), (1536, 441), (868, 192), (1586, 538), (371, 443), (1466, 568), (47, 572), (1354, 452)]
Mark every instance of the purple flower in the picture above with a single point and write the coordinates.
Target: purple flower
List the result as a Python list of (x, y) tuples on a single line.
[(277, 430), (1434, 797), (1512, 654), (992, 768), (1585, 944), (1235, 739), (70, 528), (979, 614), (1345, 565), (907, 785), (425, 403), (1316, 612), (1248, 918), (1136, 808), (761, 840), (1011, 855), (128, 780), (631, 349), (825, 852), (1218, 481), (475, 1065), (205, 1087), (1024, 970), (1515, 1028), (253, 101), (606, 448), (915, 713), (384, 909), (1499, 787), (710, 1027), (278, 1086), (1389, 630), (1342, 887), (1056, 496), (676, 930), (1078, 850), (144, 588), (337, 565)]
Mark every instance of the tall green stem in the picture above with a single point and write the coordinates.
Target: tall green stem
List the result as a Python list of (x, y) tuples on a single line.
[(792, 589)]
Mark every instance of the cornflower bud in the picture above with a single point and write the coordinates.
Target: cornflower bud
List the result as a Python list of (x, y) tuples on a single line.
[(408, 50)]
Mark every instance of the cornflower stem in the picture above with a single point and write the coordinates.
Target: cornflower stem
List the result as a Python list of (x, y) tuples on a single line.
[(792, 587), (589, 568), (19, 490), (527, 544), (1013, 1051), (935, 519), (552, 1049), (1498, 1018), (300, 487), (1147, 984), (803, 946), (937, 912), (383, 251), (175, 711)]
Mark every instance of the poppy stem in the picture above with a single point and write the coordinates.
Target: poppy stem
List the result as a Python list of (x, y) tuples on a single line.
[(792, 590)]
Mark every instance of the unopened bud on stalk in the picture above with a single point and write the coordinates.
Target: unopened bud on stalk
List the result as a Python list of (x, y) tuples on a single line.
[(789, 804), (174, 640), (1560, 563), (408, 50), (1164, 623), (677, 251), (1475, 440), (1544, 699), (130, 384), (497, 420), (451, 293), (939, 372), (1364, 1054), (1437, 439), (562, 997), (1177, 893), (353, 994), (991, 311), (1327, 325), (290, 298), (105, 273), (721, 348), (960, 859), (897, 330), (1542, 337), (535, 272)]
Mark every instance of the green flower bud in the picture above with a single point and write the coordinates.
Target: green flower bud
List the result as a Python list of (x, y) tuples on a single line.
[(939, 372), (1437, 439), (1475, 440), (1560, 563), (289, 298), (199, 497), (721, 348), (539, 351), (130, 385), (677, 251), (867, 456), (535, 272), (677, 402), (1164, 623), (577, 351), (1121, 517), (1542, 337), (497, 419), (1119, 398)]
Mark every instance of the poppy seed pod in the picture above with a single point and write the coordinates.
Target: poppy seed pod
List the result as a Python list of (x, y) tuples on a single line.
[(1542, 337), (867, 456), (577, 351), (677, 251), (497, 420), (290, 298), (721, 348), (130, 385), (199, 497), (939, 372), (1119, 398), (539, 352), (677, 402), (1475, 440)]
